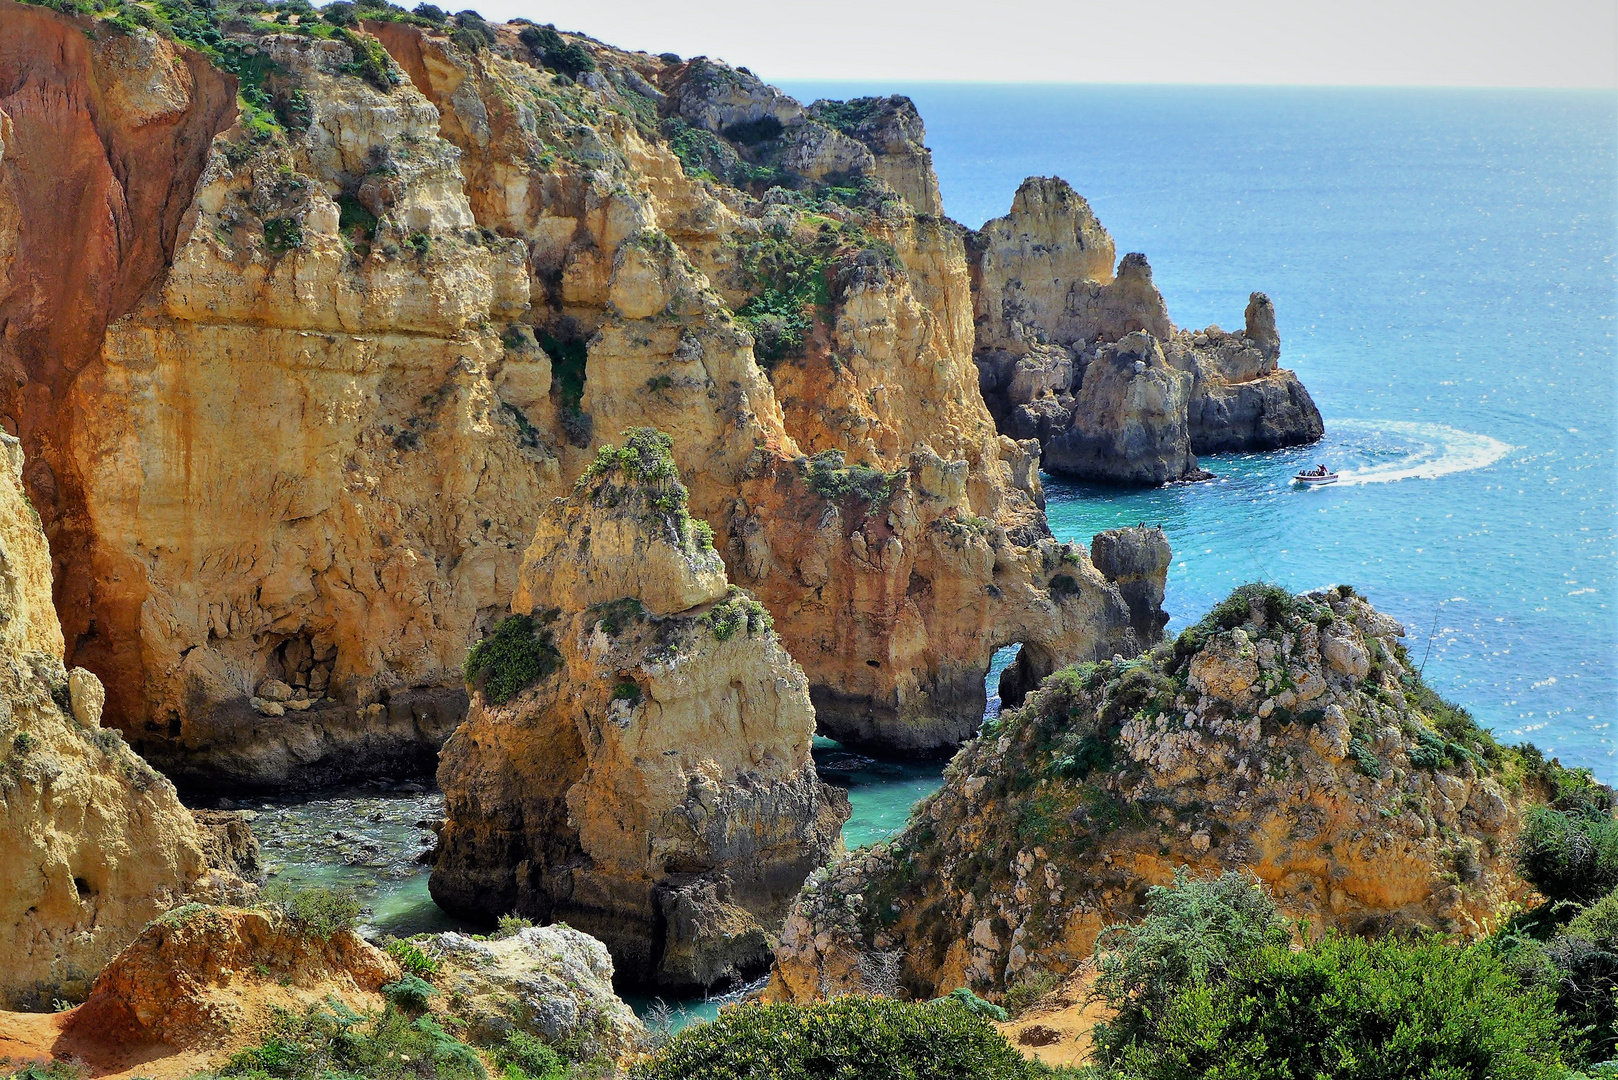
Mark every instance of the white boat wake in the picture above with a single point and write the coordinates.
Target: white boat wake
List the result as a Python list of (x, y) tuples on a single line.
[(1383, 451)]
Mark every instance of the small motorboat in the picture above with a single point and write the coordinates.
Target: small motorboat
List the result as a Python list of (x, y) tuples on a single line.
[(1315, 476)]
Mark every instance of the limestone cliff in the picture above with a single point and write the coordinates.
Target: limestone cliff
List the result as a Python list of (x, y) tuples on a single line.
[(653, 787), (93, 843), (1285, 734), (1088, 363), (301, 369)]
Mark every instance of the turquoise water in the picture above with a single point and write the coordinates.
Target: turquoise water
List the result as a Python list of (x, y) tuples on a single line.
[(1443, 268)]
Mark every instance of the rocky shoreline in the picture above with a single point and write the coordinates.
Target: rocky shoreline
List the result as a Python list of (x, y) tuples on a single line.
[(404, 392)]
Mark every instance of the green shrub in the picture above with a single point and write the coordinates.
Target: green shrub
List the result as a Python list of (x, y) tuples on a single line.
[(517, 655), (55, 1069), (975, 1005), (1569, 855), (830, 478), (627, 691), (1578, 965), (1195, 932), (1349, 1009), (410, 958), (370, 59), (1023, 995), (555, 52), (317, 910), (736, 613), (856, 1038), (511, 926), (283, 234), (534, 1059), (331, 1040), (410, 993)]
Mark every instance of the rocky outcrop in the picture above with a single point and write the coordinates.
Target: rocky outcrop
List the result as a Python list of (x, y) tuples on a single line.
[(552, 982), (654, 786), (1088, 363), (204, 977), (1283, 734), (93, 843), (1135, 560), (330, 355)]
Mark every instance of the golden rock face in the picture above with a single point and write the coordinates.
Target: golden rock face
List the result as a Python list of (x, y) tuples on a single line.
[(307, 422), (95, 843)]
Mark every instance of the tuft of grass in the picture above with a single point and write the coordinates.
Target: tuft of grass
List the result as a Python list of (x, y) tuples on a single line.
[(411, 959), (409, 994)]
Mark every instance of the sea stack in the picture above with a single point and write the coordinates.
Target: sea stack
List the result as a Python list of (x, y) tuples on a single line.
[(1085, 359), (636, 759)]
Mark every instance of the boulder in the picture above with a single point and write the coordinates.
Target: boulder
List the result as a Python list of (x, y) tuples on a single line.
[(1129, 419), (552, 982), (200, 974)]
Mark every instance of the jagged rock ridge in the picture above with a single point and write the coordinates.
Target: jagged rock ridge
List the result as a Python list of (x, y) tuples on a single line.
[(1088, 363)]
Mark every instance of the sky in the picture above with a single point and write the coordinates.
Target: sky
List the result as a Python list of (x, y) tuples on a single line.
[(1543, 43)]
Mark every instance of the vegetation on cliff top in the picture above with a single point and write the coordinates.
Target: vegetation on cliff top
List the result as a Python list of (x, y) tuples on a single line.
[(643, 469)]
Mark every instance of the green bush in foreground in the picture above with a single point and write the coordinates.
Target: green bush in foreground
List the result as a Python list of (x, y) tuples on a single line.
[(1579, 966), (1348, 1009), (331, 1040), (526, 1056), (1570, 855), (852, 1038), (1195, 932)]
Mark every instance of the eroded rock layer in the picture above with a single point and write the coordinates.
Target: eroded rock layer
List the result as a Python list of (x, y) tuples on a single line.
[(1283, 734), (303, 370), (93, 843), (1087, 361), (654, 788)]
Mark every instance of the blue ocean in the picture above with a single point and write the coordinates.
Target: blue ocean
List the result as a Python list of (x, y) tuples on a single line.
[(1443, 269)]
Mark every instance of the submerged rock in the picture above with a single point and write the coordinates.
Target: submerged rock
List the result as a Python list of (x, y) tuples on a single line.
[(1137, 399), (645, 775), (1284, 734)]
